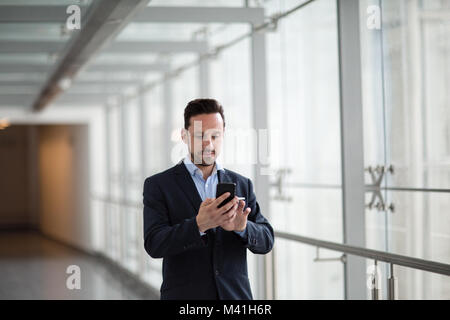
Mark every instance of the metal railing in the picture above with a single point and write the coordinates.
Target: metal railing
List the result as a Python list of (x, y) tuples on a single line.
[(376, 255), (391, 258)]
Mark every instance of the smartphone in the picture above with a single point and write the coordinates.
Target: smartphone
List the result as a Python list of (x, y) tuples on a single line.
[(223, 188)]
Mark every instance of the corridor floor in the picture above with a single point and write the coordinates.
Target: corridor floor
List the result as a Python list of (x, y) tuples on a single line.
[(34, 267)]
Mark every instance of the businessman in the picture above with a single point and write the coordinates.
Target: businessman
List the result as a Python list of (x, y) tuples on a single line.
[(204, 247)]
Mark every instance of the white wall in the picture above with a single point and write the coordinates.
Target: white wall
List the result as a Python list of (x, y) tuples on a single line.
[(64, 183)]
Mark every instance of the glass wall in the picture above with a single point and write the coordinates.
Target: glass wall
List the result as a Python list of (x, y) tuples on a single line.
[(406, 123)]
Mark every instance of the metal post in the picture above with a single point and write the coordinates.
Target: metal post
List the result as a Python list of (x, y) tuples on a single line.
[(274, 273), (144, 144), (392, 285), (144, 171), (375, 283), (259, 116), (168, 118), (352, 144), (107, 220), (123, 182)]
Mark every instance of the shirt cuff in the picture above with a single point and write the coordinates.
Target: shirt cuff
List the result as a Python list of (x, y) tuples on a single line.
[(242, 233)]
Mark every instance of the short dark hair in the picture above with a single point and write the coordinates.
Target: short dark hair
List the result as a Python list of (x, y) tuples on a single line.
[(202, 106)]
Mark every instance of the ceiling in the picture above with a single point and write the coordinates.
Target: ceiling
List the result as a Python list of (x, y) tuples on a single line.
[(43, 64)]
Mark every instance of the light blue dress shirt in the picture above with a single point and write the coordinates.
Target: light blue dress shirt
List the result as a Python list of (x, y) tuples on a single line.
[(206, 188)]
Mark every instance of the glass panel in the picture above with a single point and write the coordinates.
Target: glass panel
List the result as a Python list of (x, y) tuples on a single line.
[(97, 225), (420, 225), (307, 122), (231, 85), (131, 209), (372, 89), (132, 238), (153, 271), (308, 214), (186, 88), (299, 276), (154, 131), (417, 284), (417, 104), (303, 63), (304, 123), (131, 151), (436, 48), (115, 156), (112, 231)]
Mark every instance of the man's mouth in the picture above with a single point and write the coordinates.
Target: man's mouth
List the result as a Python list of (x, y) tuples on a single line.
[(208, 153)]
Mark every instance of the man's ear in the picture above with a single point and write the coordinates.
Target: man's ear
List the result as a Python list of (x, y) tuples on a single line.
[(184, 135)]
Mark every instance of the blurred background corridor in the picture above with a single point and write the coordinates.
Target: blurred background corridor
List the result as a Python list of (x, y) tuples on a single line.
[(337, 110)]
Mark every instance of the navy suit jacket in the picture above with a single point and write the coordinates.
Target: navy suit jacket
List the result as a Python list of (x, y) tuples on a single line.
[(212, 266)]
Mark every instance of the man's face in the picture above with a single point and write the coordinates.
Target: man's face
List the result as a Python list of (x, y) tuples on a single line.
[(204, 138)]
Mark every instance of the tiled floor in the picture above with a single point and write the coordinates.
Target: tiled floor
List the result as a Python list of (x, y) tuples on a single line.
[(34, 267)]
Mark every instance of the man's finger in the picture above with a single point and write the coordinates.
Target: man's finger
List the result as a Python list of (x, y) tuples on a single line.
[(206, 202), (228, 206), (231, 211), (229, 216), (221, 198)]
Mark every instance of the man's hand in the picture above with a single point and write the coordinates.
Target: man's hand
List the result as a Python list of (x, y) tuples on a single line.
[(209, 216), (239, 222)]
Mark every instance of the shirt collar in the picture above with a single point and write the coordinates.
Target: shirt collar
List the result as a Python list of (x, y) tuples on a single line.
[(192, 168)]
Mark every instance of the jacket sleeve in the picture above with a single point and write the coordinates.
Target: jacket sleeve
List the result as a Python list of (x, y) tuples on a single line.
[(160, 237), (258, 236)]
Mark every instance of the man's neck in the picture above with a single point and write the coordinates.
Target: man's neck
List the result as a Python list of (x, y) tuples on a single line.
[(205, 169)]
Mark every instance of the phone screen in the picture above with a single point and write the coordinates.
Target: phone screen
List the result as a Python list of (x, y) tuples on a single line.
[(223, 188)]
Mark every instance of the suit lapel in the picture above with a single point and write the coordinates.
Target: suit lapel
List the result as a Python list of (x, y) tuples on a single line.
[(223, 176), (186, 184)]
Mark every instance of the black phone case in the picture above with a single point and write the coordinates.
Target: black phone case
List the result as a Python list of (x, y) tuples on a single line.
[(223, 188)]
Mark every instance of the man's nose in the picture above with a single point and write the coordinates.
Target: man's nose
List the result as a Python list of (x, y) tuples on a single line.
[(207, 142)]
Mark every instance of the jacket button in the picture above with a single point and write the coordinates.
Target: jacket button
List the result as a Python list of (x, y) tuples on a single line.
[(217, 272)]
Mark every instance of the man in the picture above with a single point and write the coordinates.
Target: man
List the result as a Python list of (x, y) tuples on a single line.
[(204, 248)]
